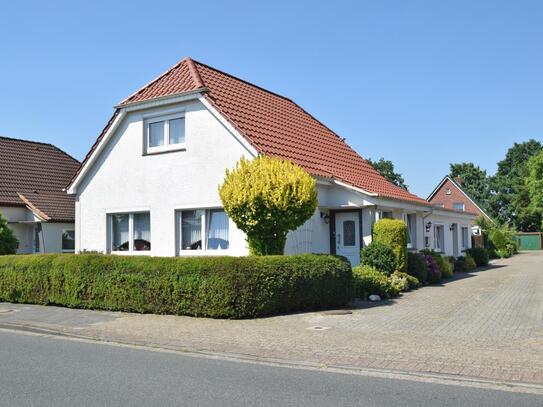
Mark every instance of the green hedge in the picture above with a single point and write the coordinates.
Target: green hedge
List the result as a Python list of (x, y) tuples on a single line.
[(218, 287), (393, 233)]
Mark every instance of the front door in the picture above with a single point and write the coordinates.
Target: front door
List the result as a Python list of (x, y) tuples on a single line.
[(348, 236)]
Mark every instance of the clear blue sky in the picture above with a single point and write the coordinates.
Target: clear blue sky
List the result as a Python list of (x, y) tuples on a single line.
[(423, 83)]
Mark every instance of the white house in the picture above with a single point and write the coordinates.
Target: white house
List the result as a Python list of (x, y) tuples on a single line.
[(149, 185), (33, 177)]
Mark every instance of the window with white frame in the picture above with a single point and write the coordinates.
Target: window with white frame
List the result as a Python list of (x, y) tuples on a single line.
[(165, 133), (459, 206), (68, 240), (203, 229), (439, 238), (465, 237), (410, 220), (130, 232)]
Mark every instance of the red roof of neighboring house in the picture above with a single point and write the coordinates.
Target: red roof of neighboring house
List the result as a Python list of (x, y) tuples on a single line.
[(34, 175), (273, 125)]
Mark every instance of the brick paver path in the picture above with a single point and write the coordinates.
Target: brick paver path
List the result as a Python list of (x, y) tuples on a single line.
[(487, 324)]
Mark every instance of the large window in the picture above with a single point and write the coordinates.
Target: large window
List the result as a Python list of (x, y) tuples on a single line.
[(439, 238), (203, 229), (465, 237), (165, 133), (130, 232), (68, 240)]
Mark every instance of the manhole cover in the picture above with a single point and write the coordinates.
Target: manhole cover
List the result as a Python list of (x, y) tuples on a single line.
[(318, 328), (338, 312)]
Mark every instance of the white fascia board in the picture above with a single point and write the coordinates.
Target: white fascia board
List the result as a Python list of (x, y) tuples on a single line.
[(399, 204), (345, 185), (437, 188), (96, 153), (239, 137), (449, 214)]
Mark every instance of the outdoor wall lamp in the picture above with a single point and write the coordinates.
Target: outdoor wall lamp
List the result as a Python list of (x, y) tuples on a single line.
[(451, 228), (428, 226), (325, 217)]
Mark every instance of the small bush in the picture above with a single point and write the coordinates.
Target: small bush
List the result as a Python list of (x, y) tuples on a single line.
[(434, 272), (460, 264), (405, 281), (218, 287), (480, 255), (393, 233), (417, 267), (470, 263), (368, 281), (379, 256), (8, 241), (444, 265)]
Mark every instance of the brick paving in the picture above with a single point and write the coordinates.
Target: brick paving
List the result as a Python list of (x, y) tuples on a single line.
[(487, 324)]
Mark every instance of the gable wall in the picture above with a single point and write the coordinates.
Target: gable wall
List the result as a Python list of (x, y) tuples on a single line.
[(125, 180), (456, 195)]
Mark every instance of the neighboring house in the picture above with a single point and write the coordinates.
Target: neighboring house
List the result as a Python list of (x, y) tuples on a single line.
[(149, 184), (32, 195), (449, 194)]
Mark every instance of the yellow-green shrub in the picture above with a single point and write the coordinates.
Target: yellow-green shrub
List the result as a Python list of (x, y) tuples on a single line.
[(393, 233), (266, 198)]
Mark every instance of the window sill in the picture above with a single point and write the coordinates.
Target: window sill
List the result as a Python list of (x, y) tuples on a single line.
[(163, 150), (132, 253)]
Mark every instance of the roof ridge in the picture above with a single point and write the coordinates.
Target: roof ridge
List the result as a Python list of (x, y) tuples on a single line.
[(162, 75), (198, 82), (242, 80)]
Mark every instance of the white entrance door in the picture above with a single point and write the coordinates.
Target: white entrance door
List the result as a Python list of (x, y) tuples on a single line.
[(348, 236)]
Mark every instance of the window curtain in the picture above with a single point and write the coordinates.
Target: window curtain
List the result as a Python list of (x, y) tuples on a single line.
[(119, 224), (438, 237), (191, 230), (142, 231), (217, 230)]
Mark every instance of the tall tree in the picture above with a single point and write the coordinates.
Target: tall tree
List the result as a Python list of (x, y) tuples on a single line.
[(474, 181), (534, 186), (511, 201), (386, 169)]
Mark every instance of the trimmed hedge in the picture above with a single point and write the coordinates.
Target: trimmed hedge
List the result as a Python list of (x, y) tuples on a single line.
[(218, 287), (393, 233)]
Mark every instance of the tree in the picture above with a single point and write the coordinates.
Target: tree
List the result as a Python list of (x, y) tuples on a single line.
[(8, 241), (475, 182), (266, 198), (386, 169), (510, 202), (534, 186)]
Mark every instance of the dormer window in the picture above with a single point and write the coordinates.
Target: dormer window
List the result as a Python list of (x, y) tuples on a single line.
[(165, 133)]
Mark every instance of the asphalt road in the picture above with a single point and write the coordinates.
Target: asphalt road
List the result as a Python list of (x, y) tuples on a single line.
[(51, 371)]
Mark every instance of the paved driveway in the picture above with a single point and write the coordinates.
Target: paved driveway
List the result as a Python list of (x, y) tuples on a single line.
[(487, 324)]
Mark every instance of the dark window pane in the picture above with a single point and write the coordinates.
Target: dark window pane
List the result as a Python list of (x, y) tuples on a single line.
[(177, 131), (156, 134), (142, 231), (68, 240), (349, 233), (119, 227), (191, 230)]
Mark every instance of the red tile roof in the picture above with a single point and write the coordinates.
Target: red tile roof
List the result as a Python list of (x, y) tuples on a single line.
[(34, 174), (274, 125)]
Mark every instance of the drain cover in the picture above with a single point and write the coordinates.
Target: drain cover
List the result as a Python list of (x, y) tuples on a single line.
[(318, 328)]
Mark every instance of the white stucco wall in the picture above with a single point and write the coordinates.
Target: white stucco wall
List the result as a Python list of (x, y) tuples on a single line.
[(447, 219), (125, 180)]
